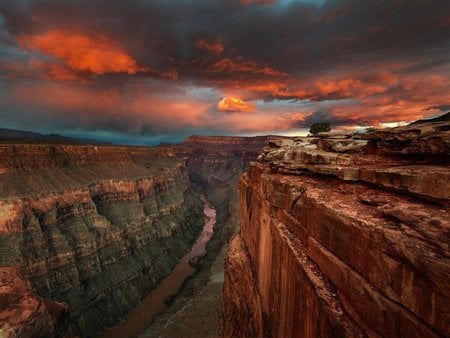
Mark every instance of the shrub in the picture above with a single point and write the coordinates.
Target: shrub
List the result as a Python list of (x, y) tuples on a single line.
[(319, 127)]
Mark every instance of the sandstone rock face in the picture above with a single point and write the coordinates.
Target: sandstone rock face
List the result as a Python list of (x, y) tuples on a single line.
[(97, 227), (337, 243), (25, 314)]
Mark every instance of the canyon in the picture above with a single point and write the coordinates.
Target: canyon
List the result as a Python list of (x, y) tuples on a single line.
[(87, 231), (336, 235), (344, 235)]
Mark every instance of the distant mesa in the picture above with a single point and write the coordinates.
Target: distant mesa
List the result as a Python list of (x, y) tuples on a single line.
[(442, 118), (165, 143), (13, 135)]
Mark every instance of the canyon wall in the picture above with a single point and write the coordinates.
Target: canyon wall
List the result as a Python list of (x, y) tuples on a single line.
[(215, 165), (94, 228), (344, 236), (97, 237)]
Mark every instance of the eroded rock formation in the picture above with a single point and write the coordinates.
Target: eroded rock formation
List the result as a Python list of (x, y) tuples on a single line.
[(97, 227), (344, 236), (99, 246)]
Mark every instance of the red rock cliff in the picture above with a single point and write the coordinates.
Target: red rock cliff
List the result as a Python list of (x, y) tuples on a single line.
[(344, 237)]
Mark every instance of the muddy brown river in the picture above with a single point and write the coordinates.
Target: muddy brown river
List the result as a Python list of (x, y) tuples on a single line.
[(142, 315)]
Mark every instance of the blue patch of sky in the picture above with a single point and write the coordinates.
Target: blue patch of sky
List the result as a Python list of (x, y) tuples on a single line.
[(282, 104), (285, 3)]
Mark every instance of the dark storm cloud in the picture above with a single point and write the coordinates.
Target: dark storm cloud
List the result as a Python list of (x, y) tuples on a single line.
[(159, 66), (297, 37)]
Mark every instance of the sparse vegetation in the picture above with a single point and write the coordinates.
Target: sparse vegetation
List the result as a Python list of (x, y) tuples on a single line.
[(319, 127)]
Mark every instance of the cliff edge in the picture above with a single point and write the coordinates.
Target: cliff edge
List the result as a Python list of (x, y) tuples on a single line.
[(344, 236)]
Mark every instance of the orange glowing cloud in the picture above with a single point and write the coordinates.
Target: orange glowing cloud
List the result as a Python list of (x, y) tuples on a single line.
[(214, 47), (254, 122), (349, 87), (418, 94), (102, 107), (57, 97), (275, 89), (52, 70), (341, 89), (240, 65), (235, 105), (80, 53)]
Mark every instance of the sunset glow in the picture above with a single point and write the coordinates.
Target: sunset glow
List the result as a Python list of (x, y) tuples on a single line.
[(95, 55), (235, 105), (160, 71)]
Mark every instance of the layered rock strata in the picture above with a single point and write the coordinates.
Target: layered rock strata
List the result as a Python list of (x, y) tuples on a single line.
[(101, 241), (344, 236), (97, 227), (214, 165)]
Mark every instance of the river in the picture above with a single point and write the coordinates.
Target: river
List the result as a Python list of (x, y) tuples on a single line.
[(142, 315)]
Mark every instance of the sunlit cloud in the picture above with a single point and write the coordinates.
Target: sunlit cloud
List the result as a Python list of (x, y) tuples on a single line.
[(96, 55), (235, 105), (240, 65)]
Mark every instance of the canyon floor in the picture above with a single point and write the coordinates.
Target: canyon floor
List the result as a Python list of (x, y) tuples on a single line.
[(197, 309)]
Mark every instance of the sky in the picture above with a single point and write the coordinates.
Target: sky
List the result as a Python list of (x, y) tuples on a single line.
[(145, 71)]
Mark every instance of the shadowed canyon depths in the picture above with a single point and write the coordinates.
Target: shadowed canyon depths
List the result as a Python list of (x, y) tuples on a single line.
[(340, 235), (96, 228), (141, 316)]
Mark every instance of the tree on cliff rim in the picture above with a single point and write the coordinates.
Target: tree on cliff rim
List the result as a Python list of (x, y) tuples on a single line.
[(319, 127)]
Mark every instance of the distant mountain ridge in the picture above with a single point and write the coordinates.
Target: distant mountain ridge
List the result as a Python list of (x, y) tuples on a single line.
[(14, 135), (441, 118)]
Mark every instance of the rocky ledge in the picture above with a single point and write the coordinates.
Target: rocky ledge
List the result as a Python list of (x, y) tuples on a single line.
[(344, 235)]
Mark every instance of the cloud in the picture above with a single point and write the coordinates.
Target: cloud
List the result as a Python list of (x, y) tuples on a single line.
[(131, 111), (240, 65), (95, 55), (161, 67), (441, 107), (235, 105), (214, 47)]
